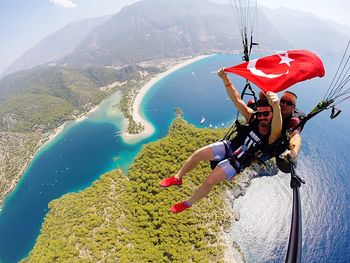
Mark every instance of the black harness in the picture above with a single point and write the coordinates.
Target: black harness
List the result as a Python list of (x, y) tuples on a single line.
[(262, 152), (282, 144), (247, 142)]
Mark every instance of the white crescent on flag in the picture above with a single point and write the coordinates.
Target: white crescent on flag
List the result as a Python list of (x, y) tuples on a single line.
[(252, 67)]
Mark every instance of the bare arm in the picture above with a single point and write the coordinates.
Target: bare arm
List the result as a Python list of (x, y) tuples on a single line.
[(295, 145), (235, 96), (276, 125)]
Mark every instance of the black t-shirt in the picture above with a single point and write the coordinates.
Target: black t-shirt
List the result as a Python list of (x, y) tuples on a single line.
[(248, 141)]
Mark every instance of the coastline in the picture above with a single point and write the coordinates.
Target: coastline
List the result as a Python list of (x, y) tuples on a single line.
[(136, 110), (232, 251), (46, 139)]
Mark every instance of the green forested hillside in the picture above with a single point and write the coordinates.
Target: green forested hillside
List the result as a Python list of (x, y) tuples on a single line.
[(62, 81), (33, 103), (126, 219), (34, 111), (47, 96)]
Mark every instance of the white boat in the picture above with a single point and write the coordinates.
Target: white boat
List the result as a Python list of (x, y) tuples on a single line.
[(210, 126), (202, 120), (118, 133)]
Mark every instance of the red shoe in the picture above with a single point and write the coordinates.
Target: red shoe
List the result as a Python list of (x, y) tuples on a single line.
[(179, 207), (170, 181)]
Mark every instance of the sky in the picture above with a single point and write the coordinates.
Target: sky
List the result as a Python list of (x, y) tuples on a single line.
[(24, 23), (336, 10)]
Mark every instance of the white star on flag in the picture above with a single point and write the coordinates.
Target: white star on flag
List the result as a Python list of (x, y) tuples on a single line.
[(285, 59)]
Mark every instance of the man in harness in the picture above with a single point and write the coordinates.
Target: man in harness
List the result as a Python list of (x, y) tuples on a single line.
[(291, 144), (263, 127)]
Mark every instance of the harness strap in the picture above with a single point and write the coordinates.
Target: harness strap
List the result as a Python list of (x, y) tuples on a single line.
[(226, 149), (234, 164)]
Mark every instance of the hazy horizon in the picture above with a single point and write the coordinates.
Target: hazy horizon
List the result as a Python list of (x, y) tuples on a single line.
[(34, 21)]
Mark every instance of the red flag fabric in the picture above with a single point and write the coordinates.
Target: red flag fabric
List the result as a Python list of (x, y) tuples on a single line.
[(278, 72)]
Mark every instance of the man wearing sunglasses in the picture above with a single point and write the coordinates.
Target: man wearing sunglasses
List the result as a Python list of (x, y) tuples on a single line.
[(263, 127), (291, 118)]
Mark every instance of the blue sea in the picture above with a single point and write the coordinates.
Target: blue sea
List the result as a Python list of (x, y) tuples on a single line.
[(89, 148)]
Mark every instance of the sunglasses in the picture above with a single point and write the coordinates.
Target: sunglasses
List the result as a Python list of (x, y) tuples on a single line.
[(263, 113), (287, 102)]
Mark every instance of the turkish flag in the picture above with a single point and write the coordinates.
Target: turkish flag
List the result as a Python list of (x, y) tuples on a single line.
[(278, 72)]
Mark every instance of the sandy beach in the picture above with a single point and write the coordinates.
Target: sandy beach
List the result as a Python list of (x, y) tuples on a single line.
[(136, 106)]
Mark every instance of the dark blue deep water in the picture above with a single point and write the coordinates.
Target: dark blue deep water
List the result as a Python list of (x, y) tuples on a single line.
[(89, 148)]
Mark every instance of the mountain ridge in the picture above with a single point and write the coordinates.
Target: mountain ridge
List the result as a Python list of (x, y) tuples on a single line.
[(56, 45), (153, 29)]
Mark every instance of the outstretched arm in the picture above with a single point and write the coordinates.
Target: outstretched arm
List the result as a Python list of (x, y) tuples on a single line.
[(276, 125), (235, 96)]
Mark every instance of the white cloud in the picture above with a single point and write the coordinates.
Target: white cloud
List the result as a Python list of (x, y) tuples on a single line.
[(64, 3)]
